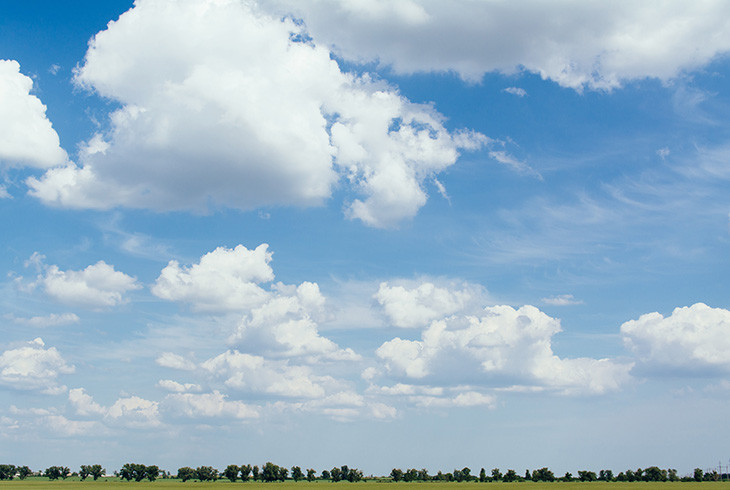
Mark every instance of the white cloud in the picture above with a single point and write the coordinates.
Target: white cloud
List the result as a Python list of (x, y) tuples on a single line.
[(519, 92), (84, 403), (175, 387), (223, 106), (52, 320), (175, 361), (208, 405), (224, 280), (572, 42), (133, 411), (26, 135), (33, 367), (693, 339), (561, 300), (256, 374), (408, 304), (501, 347), (279, 321), (65, 427), (97, 286)]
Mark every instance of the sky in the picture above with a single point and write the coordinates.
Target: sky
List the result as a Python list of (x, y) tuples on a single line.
[(384, 234)]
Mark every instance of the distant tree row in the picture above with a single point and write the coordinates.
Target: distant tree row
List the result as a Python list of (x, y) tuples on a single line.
[(652, 473), (271, 472)]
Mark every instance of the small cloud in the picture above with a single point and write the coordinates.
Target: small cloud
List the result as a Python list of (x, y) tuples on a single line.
[(663, 152), (52, 320), (519, 92), (54, 69), (562, 300), (442, 189), (506, 159), (264, 215)]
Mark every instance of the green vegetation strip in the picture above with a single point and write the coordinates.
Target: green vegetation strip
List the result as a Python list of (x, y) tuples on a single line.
[(72, 484)]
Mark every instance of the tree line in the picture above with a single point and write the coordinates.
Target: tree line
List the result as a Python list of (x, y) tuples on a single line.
[(650, 474), (271, 472)]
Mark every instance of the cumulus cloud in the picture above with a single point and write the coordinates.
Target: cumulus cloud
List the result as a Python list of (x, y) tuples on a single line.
[(175, 387), (501, 347), (224, 280), (133, 411), (225, 105), (278, 320), (96, 286), (255, 374), (27, 137), (175, 361), (208, 405), (409, 305), (575, 43), (692, 340), (33, 367), (519, 92)]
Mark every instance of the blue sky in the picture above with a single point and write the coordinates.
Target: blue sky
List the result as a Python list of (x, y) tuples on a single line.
[(377, 234)]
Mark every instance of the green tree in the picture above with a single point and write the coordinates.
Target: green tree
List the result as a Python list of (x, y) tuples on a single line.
[(325, 475), (354, 475), (296, 473), (231, 472), (411, 474), (672, 475), (587, 476), (270, 472), (206, 473), (423, 475), (396, 474), (496, 475), (84, 471), (7, 471), (151, 472), (24, 472), (311, 474), (245, 472), (511, 475), (52, 473), (543, 474), (336, 474), (568, 476), (255, 472), (698, 474), (185, 473)]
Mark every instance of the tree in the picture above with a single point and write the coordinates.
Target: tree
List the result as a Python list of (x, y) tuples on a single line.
[(587, 476), (396, 474), (255, 472), (423, 475), (543, 474), (311, 474), (410, 474), (84, 471), (245, 472), (296, 473), (511, 475), (325, 475), (605, 475), (672, 474), (24, 472), (496, 475), (52, 473), (151, 472), (482, 475), (206, 473), (7, 471), (698, 474), (527, 475), (354, 475), (336, 474), (568, 476), (270, 472), (185, 473), (231, 472), (654, 473)]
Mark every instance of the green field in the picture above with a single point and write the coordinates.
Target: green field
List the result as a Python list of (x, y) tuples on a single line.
[(73, 484)]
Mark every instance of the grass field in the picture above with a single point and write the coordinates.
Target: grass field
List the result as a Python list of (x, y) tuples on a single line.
[(73, 484)]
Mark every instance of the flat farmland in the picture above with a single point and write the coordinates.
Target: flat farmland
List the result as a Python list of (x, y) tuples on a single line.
[(73, 484)]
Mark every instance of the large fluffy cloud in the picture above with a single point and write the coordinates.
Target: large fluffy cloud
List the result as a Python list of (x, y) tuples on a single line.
[(223, 105), (97, 286), (277, 320), (573, 42), (502, 348), (692, 340), (131, 411), (26, 135), (33, 367)]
